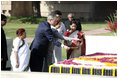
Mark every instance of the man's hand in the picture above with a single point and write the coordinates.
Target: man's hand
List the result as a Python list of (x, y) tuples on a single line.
[(66, 47), (1, 59)]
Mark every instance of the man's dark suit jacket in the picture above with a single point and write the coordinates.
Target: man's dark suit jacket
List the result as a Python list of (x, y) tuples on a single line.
[(3, 46), (67, 25), (43, 36)]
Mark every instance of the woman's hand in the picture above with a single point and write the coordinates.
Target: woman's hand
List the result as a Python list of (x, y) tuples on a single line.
[(16, 58), (17, 65)]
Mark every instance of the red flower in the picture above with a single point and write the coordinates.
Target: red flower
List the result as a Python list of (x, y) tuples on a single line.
[(115, 25), (112, 22), (109, 23), (112, 27)]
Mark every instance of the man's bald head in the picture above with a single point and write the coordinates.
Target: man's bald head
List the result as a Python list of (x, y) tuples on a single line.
[(70, 16)]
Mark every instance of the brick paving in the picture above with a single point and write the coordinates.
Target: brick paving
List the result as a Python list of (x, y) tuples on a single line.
[(91, 32), (29, 39)]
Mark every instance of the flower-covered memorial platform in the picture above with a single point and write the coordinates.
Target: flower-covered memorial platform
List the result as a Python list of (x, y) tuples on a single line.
[(104, 64)]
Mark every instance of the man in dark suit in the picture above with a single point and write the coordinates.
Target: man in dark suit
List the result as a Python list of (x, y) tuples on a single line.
[(70, 19), (4, 56), (40, 44)]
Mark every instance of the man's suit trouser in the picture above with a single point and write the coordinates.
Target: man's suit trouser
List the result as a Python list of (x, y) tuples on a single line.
[(36, 62), (47, 61)]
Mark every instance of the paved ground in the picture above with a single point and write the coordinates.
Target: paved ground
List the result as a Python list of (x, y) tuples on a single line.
[(97, 31), (42, 75), (92, 32), (29, 40)]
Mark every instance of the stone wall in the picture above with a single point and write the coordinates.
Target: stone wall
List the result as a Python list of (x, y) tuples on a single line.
[(84, 10), (6, 7), (16, 8), (79, 8), (21, 8)]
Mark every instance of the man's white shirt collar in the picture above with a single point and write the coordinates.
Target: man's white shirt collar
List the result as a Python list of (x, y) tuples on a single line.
[(53, 27)]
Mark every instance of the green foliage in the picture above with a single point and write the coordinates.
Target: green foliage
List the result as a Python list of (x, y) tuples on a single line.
[(64, 54), (112, 17), (10, 29), (92, 25), (27, 20)]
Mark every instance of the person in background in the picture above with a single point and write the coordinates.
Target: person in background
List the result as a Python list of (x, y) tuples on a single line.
[(77, 48), (70, 19), (58, 51), (4, 56), (20, 54)]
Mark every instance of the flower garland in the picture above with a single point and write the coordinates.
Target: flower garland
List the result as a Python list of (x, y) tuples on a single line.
[(109, 60)]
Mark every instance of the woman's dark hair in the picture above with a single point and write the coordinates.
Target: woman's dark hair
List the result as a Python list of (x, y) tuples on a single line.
[(20, 31), (58, 12), (73, 22), (3, 17)]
